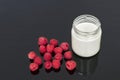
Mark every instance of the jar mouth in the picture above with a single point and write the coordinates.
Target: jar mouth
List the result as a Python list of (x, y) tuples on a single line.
[(86, 25)]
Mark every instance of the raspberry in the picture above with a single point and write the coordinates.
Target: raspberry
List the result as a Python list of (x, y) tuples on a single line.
[(58, 56), (70, 65), (56, 64), (64, 46), (38, 60), (33, 66), (58, 50), (68, 55), (42, 41), (31, 55), (54, 42), (48, 65), (42, 49), (50, 48), (47, 56)]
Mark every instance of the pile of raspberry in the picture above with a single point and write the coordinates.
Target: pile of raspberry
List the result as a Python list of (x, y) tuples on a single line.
[(52, 54)]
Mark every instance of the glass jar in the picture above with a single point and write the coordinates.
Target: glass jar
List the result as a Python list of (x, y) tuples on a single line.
[(86, 35)]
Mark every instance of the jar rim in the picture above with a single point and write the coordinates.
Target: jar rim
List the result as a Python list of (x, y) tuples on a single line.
[(89, 19)]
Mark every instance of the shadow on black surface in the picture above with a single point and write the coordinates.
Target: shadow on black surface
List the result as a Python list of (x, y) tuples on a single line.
[(31, 60), (35, 72), (56, 70), (71, 72), (86, 66), (48, 70)]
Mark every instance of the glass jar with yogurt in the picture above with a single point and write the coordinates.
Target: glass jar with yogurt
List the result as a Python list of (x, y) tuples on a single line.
[(86, 35)]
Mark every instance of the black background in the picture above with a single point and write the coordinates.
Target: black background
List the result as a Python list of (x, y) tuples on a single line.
[(23, 21)]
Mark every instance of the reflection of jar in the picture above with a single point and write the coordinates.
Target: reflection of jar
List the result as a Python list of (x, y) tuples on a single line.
[(86, 66), (86, 35)]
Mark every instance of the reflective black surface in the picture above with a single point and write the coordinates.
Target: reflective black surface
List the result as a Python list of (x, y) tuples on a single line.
[(23, 21)]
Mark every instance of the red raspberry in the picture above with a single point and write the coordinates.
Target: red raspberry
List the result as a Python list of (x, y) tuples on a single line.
[(31, 55), (50, 48), (58, 56), (33, 66), (54, 42), (70, 65), (58, 50), (42, 49), (47, 56), (42, 41), (48, 65), (64, 46), (56, 64), (68, 55), (38, 60)]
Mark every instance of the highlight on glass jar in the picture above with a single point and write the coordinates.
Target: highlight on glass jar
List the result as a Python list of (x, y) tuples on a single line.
[(86, 35)]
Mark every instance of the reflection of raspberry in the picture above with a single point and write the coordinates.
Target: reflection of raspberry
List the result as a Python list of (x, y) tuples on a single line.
[(33, 66), (50, 48), (48, 65), (70, 65), (31, 55), (42, 49), (42, 41), (54, 42), (38, 60), (58, 56), (68, 55), (64, 46), (56, 64), (47, 56), (58, 50)]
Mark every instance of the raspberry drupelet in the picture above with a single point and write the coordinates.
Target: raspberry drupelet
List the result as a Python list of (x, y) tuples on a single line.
[(31, 55), (50, 48), (70, 65), (68, 55), (42, 49), (47, 56), (54, 42), (47, 65), (33, 67), (42, 41), (56, 64), (58, 56), (64, 46), (38, 60), (58, 50)]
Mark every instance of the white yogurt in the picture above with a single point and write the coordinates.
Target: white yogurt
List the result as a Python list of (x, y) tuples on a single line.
[(86, 36), (86, 27)]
